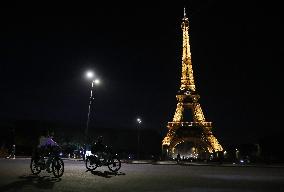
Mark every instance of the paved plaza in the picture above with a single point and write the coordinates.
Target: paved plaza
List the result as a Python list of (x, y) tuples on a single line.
[(15, 175)]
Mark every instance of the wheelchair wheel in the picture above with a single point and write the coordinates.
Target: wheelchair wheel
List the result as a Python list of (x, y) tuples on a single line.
[(34, 167), (57, 167)]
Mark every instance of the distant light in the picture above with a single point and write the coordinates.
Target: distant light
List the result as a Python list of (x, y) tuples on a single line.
[(139, 120), (90, 74), (97, 81), (88, 153)]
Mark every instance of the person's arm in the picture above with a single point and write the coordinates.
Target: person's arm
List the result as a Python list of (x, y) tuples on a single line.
[(53, 143)]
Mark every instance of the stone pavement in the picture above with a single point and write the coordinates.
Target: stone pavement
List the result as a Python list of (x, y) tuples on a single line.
[(225, 164)]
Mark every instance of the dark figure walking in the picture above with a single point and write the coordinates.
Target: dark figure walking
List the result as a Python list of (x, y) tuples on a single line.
[(178, 158), (12, 153), (83, 149)]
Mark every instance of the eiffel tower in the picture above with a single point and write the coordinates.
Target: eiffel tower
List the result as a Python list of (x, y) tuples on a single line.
[(189, 134)]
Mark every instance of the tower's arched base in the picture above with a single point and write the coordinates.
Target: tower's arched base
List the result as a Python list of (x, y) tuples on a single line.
[(191, 142)]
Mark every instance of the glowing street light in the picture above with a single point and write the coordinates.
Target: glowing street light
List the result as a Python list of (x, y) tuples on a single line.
[(97, 81), (138, 138), (90, 75)]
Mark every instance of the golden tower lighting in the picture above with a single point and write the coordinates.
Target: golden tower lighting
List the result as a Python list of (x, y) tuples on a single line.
[(197, 130)]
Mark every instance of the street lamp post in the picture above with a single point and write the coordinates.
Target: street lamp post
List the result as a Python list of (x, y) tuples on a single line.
[(90, 75), (138, 138)]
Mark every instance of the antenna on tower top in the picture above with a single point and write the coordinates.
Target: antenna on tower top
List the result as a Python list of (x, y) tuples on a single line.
[(184, 13)]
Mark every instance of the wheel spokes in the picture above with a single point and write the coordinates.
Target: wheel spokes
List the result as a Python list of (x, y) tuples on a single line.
[(114, 164), (58, 168)]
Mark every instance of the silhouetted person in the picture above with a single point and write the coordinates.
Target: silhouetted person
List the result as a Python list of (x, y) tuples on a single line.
[(83, 149), (178, 158), (46, 147), (98, 148), (221, 158), (12, 153)]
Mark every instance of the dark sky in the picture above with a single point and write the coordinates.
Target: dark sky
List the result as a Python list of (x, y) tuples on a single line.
[(135, 49)]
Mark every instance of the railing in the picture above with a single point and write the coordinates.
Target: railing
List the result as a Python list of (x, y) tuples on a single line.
[(188, 124)]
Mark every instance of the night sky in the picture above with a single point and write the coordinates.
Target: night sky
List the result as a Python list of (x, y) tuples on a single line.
[(135, 49)]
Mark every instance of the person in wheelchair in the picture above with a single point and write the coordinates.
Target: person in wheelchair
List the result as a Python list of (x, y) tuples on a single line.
[(47, 147)]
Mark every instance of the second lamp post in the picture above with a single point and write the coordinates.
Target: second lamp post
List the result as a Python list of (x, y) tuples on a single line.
[(90, 75), (138, 138)]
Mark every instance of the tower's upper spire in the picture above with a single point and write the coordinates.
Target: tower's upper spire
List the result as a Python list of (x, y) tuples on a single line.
[(187, 80), (184, 12)]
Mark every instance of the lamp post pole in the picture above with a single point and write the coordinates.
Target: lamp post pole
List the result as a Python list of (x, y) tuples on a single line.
[(89, 110), (138, 138), (90, 75)]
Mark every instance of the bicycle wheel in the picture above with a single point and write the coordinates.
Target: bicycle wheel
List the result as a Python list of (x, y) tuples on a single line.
[(114, 164), (34, 167), (57, 167), (90, 164)]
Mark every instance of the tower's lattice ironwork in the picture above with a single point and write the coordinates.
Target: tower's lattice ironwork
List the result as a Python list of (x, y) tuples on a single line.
[(194, 130)]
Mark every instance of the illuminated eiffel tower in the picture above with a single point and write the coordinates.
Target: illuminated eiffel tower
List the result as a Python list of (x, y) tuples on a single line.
[(189, 134)]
